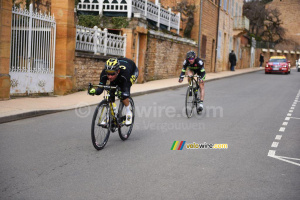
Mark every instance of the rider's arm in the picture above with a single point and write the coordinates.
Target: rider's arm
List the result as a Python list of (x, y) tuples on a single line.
[(103, 80), (183, 70)]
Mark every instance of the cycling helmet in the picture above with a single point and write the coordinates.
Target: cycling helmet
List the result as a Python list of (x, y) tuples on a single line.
[(191, 54), (112, 64)]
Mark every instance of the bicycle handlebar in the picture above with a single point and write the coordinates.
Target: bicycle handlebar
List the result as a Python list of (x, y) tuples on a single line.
[(191, 76), (106, 87)]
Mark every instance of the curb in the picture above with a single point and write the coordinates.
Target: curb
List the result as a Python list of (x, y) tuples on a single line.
[(45, 112)]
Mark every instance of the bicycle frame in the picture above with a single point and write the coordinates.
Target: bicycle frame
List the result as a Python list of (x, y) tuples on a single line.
[(106, 97)]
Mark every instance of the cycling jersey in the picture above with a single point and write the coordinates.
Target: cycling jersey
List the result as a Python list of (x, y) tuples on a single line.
[(197, 67), (127, 76)]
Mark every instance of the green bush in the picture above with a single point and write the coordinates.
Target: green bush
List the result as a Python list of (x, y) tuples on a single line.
[(119, 22), (89, 20)]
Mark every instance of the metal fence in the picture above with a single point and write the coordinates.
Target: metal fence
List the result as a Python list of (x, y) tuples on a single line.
[(97, 41), (148, 9), (266, 45), (32, 54)]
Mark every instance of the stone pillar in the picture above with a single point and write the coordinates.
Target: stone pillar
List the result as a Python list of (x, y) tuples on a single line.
[(142, 32), (5, 37), (129, 42), (65, 45)]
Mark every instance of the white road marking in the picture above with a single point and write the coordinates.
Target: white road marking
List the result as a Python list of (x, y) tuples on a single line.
[(275, 144), (285, 160), (284, 123), (294, 117), (271, 153), (282, 129), (289, 158), (278, 137)]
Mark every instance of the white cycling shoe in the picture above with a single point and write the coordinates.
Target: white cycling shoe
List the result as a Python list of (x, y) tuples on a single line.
[(128, 118)]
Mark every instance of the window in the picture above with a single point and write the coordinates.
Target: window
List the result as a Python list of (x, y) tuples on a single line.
[(225, 5), (232, 7), (203, 46), (219, 44)]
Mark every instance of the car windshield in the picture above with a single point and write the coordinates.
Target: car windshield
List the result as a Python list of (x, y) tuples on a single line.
[(277, 60)]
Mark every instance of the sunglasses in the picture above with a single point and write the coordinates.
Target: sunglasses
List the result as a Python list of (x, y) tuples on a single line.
[(192, 58), (108, 73)]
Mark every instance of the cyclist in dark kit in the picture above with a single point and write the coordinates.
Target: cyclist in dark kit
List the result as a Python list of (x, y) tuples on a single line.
[(195, 66), (121, 72)]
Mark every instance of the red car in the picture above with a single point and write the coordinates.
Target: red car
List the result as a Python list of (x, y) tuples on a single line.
[(278, 64)]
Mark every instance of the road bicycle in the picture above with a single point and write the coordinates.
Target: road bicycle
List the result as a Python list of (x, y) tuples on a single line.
[(106, 119), (193, 94)]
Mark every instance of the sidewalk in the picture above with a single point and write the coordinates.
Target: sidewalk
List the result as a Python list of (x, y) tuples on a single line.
[(24, 107)]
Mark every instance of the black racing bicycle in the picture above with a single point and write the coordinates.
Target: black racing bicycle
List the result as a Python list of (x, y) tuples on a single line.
[(106, 119), (193, 95)]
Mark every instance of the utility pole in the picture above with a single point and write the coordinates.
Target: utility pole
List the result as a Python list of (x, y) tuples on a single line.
[(200, 22)]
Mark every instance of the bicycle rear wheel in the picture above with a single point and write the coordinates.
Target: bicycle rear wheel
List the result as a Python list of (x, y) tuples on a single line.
[(189, 101), (101, 125), (125, 130)]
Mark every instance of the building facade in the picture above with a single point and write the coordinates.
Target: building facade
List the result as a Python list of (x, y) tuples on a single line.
[(204, 30), (230, 30)]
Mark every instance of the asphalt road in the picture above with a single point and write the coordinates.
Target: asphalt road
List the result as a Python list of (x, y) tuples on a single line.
[(256, 115)]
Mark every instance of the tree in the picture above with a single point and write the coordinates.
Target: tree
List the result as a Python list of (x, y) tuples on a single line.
[(255, 12), (187, 10), (273, 31), (264, 23)]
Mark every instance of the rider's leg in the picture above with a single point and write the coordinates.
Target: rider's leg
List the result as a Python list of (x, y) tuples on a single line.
[(125, 99), (126, 102), (201, 85)]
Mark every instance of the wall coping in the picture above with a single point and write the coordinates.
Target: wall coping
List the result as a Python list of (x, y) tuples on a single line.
[(171, 37), (91, 55)]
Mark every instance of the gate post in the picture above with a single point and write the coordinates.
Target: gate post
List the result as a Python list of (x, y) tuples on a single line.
[(65, 45), (5, 37)]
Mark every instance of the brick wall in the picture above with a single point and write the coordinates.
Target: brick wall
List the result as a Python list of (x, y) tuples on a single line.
[(289, 10), (208, 27)]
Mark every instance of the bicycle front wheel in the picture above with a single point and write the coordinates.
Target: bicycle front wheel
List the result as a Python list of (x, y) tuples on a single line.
[(189, 101), (125, 130), (101, 125)]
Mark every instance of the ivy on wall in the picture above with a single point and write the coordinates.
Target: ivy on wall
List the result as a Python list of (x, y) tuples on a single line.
[(107, 22)]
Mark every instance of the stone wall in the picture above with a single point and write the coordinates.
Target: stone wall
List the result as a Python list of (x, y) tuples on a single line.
[(164, 58), (88, 68)]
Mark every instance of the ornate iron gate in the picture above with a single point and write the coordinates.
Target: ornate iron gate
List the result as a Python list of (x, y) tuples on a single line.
[(32, 54)]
